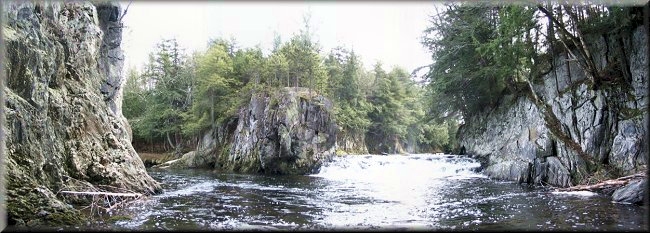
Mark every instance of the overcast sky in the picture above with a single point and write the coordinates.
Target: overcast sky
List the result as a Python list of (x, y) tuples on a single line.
[(378, 31)]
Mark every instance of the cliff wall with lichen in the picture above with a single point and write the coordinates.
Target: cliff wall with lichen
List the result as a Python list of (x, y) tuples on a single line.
[(64, 126)]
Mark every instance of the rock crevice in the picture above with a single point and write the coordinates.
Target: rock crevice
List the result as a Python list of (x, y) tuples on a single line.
[(59, 125), (285, 131), (606, 123)]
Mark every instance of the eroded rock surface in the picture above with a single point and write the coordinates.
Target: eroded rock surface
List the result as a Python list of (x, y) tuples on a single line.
[(632, 193), (351, 143), (608, 123), (63, 97), (281, 132)]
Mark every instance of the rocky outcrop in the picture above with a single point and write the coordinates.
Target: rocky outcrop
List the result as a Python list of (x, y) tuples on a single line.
[(351, 143), (64, 126), (632, 193), (280, 132), (607, 122)]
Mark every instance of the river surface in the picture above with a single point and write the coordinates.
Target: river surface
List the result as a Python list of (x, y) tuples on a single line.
[(414, 192)]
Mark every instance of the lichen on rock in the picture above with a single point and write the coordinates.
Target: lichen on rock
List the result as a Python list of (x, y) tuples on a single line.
[(62, 121), (633, 192), (606, 123), (285, 131)]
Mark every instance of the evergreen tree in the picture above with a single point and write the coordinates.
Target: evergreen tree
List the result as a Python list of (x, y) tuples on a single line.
[(215, 88), (160, 96)]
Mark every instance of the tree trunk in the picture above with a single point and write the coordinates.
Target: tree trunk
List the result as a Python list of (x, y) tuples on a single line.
[(607, 184), (212, 123), (178, 149), (311, 77), (587, 64), (169, 140)]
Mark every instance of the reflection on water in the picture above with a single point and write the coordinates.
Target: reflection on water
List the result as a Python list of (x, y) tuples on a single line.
[(420, 191)]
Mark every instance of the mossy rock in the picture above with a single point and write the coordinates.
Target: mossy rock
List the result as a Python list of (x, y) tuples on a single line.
[(66, 218), (340, 152), (117, 218), (32, 209), (630, 113)]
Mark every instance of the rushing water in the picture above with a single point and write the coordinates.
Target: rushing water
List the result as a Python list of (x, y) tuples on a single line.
[(415, 192)]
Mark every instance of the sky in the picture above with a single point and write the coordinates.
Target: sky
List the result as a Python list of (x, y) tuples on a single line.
[(389, 32)]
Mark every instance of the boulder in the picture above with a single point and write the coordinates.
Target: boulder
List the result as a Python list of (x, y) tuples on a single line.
[(633, 192), (282, 132)]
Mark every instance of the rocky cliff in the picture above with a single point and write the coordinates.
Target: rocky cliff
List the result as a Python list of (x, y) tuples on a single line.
[(608, 123), (351, 143), (283, 131), (64, 126)]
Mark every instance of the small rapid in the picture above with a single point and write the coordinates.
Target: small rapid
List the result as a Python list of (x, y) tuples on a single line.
[(397, 192), (397, 189), (414, 167)]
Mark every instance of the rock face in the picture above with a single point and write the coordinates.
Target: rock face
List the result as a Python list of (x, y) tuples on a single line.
[(608, 123), (282, 132), (351, 143), (64, 125), (632, 193)]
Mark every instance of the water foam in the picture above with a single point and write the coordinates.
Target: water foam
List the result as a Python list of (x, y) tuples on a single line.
[(396, 168), (576, 193), (206, 186)]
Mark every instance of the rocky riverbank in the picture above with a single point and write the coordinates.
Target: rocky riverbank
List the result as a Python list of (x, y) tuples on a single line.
[(608, 122), (64, 128)]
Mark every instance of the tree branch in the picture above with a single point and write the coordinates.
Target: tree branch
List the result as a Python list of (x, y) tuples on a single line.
[(578, 42)]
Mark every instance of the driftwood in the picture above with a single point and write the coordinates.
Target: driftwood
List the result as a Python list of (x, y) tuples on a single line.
[(103, 193), (106, 201), (103, 199), (607, 184)]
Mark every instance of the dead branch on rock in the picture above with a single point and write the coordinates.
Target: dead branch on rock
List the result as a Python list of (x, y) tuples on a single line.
[(103, 194), (98, 199), (607, 184)]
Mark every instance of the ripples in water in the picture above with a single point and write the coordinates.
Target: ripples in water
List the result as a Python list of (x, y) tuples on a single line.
[(416, 192)]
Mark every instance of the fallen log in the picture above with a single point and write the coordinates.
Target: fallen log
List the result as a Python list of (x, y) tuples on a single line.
[(103, 193), (607, 184), (105, 202)]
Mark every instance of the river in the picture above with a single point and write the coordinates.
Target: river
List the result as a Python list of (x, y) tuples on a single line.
[(414, 192)]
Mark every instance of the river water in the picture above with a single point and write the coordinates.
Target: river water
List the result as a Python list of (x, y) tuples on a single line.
[(414, 192)]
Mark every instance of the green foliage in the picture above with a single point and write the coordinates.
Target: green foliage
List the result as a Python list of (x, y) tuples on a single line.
[(276, 70), (351, 108), (435, 135), (304, 64), (396, 113), (215, 87), (134, 95), (484, 51), (462, 79), (481, 52), (247, 65), (177, 97), (606, 18), (156, 100)]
